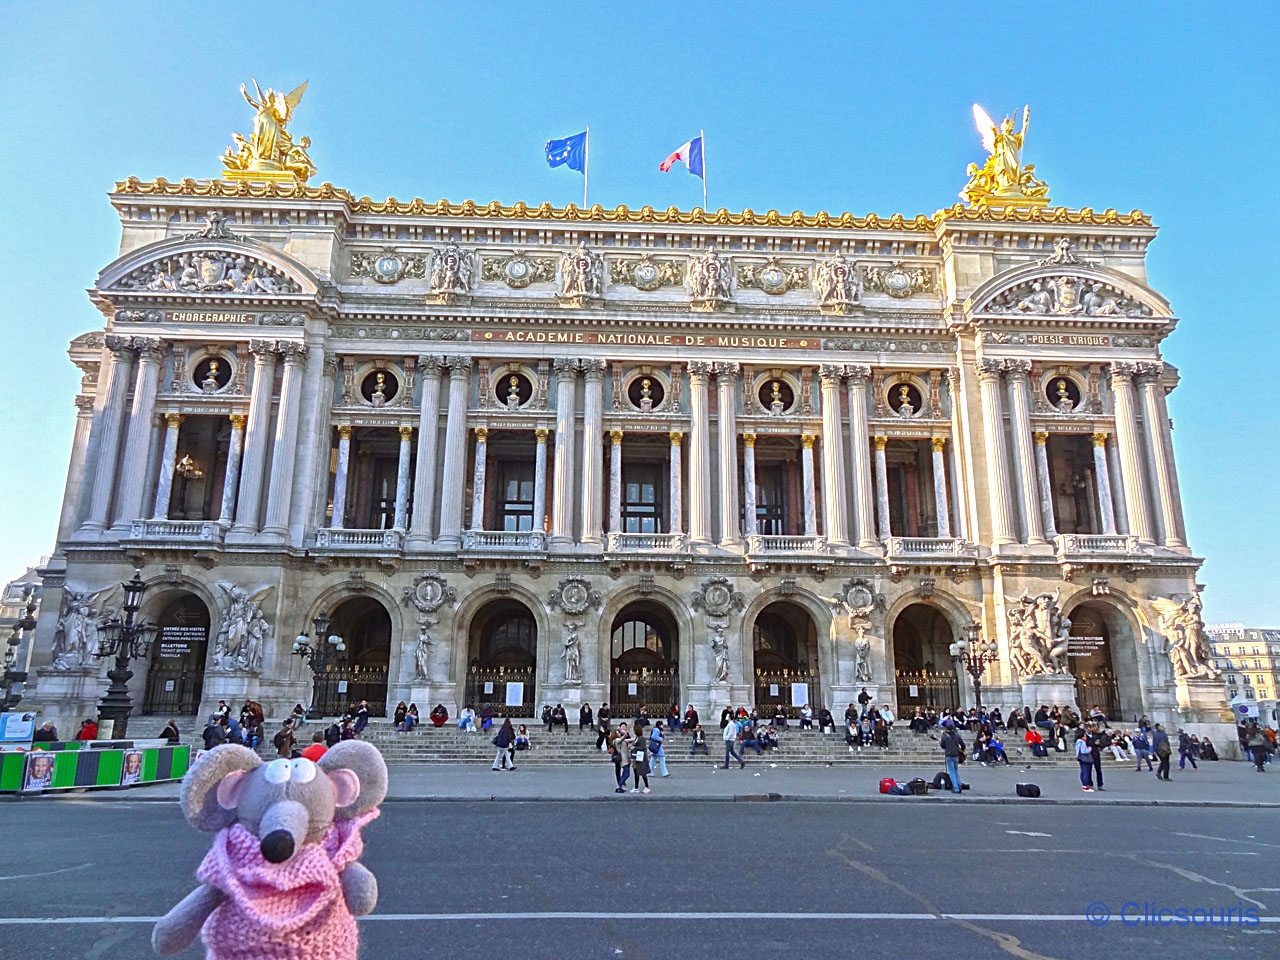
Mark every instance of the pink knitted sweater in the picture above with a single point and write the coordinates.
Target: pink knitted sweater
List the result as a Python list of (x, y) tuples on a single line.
[(282, 911)]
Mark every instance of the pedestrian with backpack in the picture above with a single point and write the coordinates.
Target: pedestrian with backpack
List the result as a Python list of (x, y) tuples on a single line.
[(1163, 751), (658, 756), (952, 751)]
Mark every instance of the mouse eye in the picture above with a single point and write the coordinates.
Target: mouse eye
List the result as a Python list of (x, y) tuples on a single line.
[(304, 771), (278, 771)]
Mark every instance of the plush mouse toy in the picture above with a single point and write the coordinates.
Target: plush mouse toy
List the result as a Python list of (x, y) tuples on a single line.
[(282, 881)]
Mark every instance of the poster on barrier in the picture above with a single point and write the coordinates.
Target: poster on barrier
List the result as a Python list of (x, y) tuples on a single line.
[(17, 727), (38, 774), (131, 768)]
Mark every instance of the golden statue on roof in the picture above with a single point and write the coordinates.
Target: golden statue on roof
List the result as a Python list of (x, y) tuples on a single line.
[(269, 153), (1003, 180)]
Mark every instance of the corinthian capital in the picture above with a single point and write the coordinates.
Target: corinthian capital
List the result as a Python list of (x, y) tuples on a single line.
[(857, 373), (430, 364), (727, 369), (699, 368), (831, 372), (1150, 370), (149, 348), (989, 369), (293, 351), (459, 366), (1123, 370), (120, 346), (1017, 369), (593, 368), (564, 366), (263, 348)]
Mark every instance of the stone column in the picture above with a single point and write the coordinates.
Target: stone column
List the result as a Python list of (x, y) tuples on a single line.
[(942, 503), (860, 449), (479, 471), (455, 452), (231, 476), (835, 497), (313, 436), (997, 458), (749, 484), (882, 488), (73, 490), (959, 469), (699, 453), (593, 452), (340, 477), (1044, 485), (1156, 422), (255, 441), (168, 459), (727, 383), (137, 446), (1020, 427), (115, 388), (285, 451), (1102, 477), (424, 481), (615, 481), (540, 480), (810, 497), (1129, 444), (402, 478), (562, 496), (675, 498)]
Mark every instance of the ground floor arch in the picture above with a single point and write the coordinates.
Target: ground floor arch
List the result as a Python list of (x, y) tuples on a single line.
[(175, 668), (359, 670), (784, 658), (502, 655), (1102, 656), (924, 674), (644, 659)]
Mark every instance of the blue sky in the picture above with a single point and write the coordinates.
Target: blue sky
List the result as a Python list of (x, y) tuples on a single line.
[(838, 106)]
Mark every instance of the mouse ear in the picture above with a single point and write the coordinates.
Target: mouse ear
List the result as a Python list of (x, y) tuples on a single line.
[(359, 774), (217, 776)]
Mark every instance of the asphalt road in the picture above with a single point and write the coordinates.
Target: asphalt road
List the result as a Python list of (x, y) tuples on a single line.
[(724, 879)]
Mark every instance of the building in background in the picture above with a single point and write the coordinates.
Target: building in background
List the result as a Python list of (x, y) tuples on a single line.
[(527, 455), (1249, 660)]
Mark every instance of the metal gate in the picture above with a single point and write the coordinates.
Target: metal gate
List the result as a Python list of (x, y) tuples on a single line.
[(490, 685), (939, 691), (1098, 690), (173, 691), (657, 689), (774, 687), (339, 689)]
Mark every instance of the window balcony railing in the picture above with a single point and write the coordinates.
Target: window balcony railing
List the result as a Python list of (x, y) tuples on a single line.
[(194, 532), (928, 547), (646, 542), (769, 545), (1072, 544), (520, 541), (331, 538)]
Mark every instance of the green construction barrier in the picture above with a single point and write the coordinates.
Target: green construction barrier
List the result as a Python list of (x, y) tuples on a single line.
[(77, 768)]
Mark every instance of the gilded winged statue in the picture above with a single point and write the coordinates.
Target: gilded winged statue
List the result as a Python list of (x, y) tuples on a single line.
[(270, 149), (1002, 175)]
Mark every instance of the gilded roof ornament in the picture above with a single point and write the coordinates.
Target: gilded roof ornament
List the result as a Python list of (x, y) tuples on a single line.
[(1003, 181), (269, 154)]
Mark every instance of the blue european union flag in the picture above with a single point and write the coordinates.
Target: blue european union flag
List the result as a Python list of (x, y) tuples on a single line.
[(571, 152)]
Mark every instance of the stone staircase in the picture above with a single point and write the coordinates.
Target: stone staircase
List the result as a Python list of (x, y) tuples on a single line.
[(448, 744)]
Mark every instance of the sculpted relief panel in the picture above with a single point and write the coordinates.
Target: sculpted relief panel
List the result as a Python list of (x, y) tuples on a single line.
[(208, 271)]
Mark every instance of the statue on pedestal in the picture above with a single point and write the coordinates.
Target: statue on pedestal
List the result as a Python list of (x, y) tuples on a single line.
[(269, 153), (1003, 178), (1038, 635), (1188, 644), (572, 655), (720, 648)]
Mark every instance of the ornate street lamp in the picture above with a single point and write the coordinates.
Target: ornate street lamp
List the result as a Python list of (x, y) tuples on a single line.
[(318, 656), (974, 656), (14, 678), (125, 639)]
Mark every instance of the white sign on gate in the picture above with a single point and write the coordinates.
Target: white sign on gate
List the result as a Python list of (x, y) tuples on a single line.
[(799, 694), (342, 686), (488, 686), (631, 689), (515, 694), (913, 691), (773, 689)]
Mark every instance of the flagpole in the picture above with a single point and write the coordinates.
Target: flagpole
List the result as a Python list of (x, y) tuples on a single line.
[(586, 166), (703, 135)]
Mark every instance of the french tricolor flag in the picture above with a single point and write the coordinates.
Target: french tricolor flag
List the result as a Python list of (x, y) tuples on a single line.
[(690, 153)]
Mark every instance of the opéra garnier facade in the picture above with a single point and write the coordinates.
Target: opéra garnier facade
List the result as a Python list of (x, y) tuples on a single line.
[(526, 455)]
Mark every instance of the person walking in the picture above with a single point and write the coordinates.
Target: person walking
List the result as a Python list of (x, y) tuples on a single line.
[(622, 757), (1085, 756), (658, 756), (731, 745), (1142, 748), (284, 741), (1185, 751), (952, 752), (504, 740), (1258, 746), (1163, 751), (1097, 740), (640, 760)]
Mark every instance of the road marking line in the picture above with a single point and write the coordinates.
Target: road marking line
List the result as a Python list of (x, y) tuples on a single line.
[(591, 915), (48, 873)]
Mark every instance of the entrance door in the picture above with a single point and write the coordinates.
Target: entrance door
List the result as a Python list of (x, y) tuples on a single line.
[(1089, 657), (784, 645), (504, 648), (923, 671), (360, 671), (175, 678), (644, 668)]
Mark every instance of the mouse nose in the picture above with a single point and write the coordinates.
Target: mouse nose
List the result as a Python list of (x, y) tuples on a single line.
[(277, 846)]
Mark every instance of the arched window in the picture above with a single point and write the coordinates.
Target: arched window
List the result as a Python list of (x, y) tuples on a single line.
[(509, 638)]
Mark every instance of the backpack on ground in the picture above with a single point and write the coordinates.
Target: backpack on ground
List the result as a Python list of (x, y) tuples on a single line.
[(941, 781), (919, 786), (887, 784), (1029, 790)]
